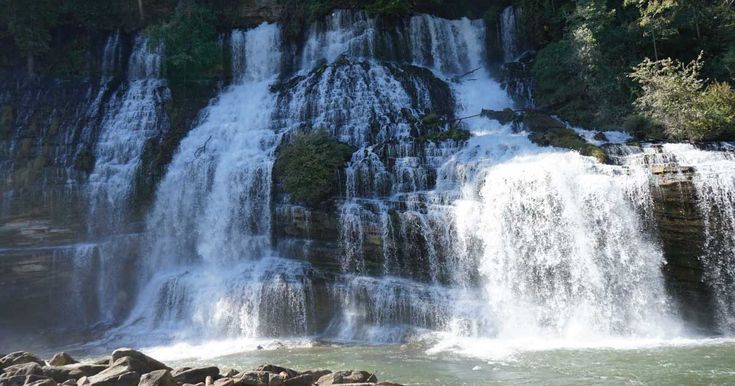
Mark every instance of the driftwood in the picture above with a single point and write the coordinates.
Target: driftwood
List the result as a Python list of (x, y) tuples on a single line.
[(200, 150), (458, 78)]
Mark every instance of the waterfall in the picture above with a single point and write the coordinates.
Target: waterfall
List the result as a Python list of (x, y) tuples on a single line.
[(510, 34), (132, 116), (462, 240), (714, 182), (208, 257)]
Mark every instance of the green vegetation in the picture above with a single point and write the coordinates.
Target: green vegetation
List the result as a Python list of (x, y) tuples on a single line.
[(548, 131), (190, 38), (674, 95), (587, 48), (308, 167)]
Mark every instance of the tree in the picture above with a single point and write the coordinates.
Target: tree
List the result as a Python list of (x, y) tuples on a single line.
[(674, 95), (656, 18), (30, 22)]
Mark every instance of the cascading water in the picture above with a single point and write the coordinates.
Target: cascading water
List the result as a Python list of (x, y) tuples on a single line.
[(487, 237), (714, 181), (209, 263), (132, 116)]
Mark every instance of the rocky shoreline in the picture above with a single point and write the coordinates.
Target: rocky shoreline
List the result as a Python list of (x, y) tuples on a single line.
[(128, 367)]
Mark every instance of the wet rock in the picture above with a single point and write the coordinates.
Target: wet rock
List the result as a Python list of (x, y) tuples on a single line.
[(69, 382), (157, 378), (503, 116), (278, 370), (300, 380), (17, 358), (41, 382), (124, 371), (72, 372), (600, 136), (226, 381), (20, 380), (147, 363), (346, 377), (228, 373), (195, 375), (61, 359), (277, 379), (253, 378), (23, 369)]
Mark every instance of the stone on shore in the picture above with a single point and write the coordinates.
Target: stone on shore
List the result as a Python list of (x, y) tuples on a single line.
[(72, 372), (157, 378), (18, 358), (195, 375), (346, 377), (61, 359)]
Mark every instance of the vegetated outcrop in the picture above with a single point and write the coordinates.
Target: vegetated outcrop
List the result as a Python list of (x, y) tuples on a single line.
[(127, 367)]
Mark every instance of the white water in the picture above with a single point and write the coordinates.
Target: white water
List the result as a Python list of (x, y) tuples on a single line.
[(132, 116), (714, 180)]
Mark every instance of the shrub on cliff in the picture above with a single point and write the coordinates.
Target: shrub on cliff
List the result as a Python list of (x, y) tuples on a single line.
[(674, 95), (308, 167), (190, 38)]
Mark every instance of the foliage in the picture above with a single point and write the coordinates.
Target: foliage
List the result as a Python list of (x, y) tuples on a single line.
[(190, 38), (674, 95), (717, 106), (391, 8), (308, 168)]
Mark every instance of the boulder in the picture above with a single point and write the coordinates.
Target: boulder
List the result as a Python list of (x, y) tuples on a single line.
[(228, 373), (125, 371), (157, 378), (23, 369), (344, 377), (300, 380), (317, 373), (41, 382), (61, 359), (277, 379), (195, 375), (226, 381), (72, 372), (69, 382), (278, 370), (253, 378), (149, 363), (18, 358), (600, 136), (20, 380)]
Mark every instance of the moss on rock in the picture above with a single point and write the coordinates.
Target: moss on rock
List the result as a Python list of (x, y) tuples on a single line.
[(549, 131), (308, 167)]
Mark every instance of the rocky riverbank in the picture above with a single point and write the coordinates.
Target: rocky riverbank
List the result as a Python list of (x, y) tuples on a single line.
[(127, 367)]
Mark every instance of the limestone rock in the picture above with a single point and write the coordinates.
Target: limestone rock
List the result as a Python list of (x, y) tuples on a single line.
[(17, 358), (345, 377), (149, 363), (41, 382), (195, 375), (73, 371), (278, 370), (23, 369), (123, 372), (229, 373), (20, 380), (157, 378), (61, 359), (253, 378), (300, 380)]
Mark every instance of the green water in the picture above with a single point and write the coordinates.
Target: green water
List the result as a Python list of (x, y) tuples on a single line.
[(703, 363)]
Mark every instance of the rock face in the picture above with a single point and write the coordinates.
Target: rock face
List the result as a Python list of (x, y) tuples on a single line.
[(681, 231)]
